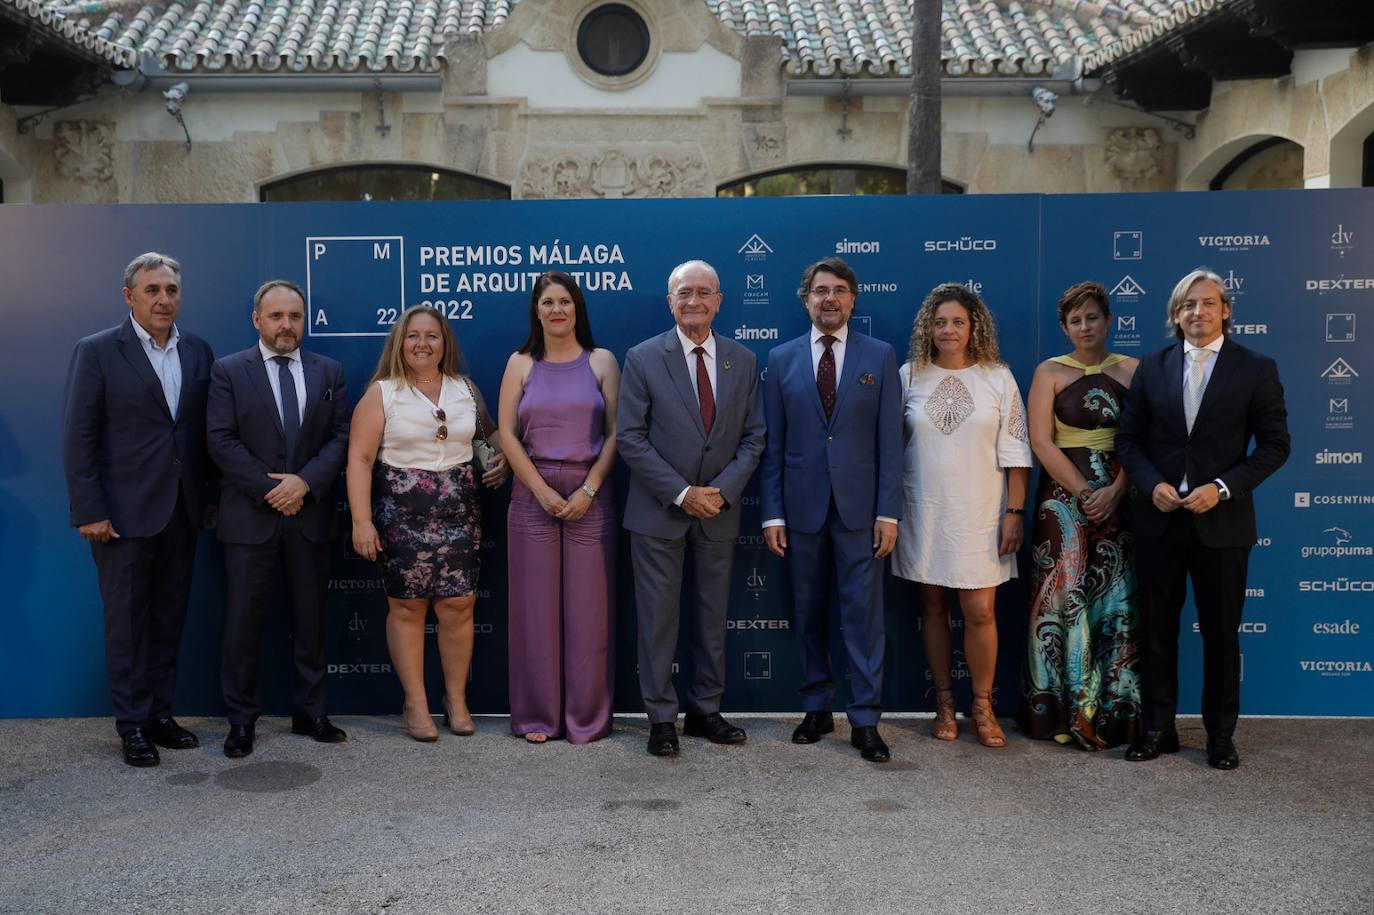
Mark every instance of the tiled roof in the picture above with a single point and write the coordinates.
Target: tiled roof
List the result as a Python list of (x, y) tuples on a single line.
[(824, 38), (1181, 14)]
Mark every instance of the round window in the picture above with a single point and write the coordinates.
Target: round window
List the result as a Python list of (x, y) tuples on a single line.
[(613, 40)]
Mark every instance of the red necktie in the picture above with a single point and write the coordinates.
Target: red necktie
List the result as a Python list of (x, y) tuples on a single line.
[(825, 376), (704, 395)]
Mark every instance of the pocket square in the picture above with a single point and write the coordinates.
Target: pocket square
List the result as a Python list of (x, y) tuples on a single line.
[(866, 378)]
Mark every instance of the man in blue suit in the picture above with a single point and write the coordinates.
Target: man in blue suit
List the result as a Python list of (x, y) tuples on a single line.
[(278, 429), (832, 494), (133, 445)]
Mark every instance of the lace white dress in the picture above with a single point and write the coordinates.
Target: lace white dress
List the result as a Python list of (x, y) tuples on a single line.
[(963, 428)]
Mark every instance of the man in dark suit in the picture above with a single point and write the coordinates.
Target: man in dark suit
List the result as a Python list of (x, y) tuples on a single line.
[(133, 445), (1184, 440), (832, 492), (278, 429), (690, 428)]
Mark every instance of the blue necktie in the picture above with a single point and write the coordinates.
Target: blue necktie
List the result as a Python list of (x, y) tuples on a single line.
[(290, 409)]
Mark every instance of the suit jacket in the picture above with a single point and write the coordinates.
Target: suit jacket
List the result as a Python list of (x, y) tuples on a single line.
[(660, 435), (1243, 401), (854, 458), (246, 440), (125, 457)]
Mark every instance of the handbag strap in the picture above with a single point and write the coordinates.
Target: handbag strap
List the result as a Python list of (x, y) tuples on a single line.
[(476, 408)]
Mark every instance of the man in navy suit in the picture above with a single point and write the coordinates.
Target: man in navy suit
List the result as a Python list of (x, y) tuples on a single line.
[(832, 495), (277, 423), (1185, 434), (133, 445)]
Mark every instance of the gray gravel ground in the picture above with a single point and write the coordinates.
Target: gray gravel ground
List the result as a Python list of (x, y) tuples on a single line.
[(382, 824)]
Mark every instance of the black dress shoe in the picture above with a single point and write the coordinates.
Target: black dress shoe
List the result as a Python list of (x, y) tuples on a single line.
[(138, 751), (166, 733), (239, 743), (870, 746), (813, 725), (663, 739), (319, 728), (1153, 743), (713, 727), (1221, 753)]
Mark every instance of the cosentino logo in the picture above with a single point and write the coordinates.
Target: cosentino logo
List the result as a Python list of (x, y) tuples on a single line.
[(1338, 547), (1336, 668), (1307, 500), (1233, 242), (745, 332), (1340, 457), (962, 243), (845, 246)]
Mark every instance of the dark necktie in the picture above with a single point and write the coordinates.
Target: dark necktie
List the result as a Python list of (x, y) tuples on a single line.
[(290, 409), (825, 376), (704, 395)]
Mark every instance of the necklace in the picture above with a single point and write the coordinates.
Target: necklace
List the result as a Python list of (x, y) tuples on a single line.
[(427, 380)]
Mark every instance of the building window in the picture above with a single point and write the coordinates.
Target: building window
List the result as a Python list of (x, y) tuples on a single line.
[(613, 40), (1271, 164), (383, 182), (864, 180)]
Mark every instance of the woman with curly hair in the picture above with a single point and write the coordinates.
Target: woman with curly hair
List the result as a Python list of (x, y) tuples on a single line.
[(965, 476), (412, 491), (1080, 683)]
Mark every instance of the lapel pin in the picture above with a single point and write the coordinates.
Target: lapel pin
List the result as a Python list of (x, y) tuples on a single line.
[(725, 364), (866, 378)]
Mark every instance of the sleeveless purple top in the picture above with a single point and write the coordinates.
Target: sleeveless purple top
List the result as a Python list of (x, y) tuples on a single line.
[(562, 415)]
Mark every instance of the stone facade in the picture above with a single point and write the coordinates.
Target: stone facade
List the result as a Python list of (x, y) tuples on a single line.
[(657, 134)]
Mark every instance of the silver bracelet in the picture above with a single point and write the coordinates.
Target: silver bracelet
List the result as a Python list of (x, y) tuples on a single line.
[(590, 492)]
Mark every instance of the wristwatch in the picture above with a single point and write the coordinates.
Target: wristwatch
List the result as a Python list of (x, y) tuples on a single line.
[(589, 491)]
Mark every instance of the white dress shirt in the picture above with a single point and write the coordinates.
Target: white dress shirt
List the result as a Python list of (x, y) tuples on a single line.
[(166, 362), (710, 358), (297, 369), (1207, 367)]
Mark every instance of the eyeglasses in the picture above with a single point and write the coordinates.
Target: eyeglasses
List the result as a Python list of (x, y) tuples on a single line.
[(442, 432), (824, 292), (686, 295)]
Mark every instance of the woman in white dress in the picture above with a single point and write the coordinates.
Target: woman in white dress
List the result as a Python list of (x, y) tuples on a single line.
[(965, 477)]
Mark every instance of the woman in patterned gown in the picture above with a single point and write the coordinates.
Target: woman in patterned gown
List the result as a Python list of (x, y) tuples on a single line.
[(1080, 684), (965, 474)]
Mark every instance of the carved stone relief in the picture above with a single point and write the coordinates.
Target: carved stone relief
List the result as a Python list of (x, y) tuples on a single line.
[(85, 150), (764, 144), (614, 174), (1134, 153)]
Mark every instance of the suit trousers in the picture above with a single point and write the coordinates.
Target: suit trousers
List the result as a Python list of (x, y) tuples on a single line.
[(1163, 566), (145, 583), (838, 560), (658, 567), (252, 574), (562, 604)]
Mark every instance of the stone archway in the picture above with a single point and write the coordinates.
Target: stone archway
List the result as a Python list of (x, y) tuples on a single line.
[(1241, 158)]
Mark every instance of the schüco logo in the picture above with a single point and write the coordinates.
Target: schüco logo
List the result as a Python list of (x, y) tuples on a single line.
[(1340, 668), (962, 243), (1344, 627), (1337, 585), (1340, 457), (745, 332), (845, 246), (1244, 628)]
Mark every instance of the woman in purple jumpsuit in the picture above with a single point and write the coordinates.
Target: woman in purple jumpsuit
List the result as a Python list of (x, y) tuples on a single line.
[(557, 421)]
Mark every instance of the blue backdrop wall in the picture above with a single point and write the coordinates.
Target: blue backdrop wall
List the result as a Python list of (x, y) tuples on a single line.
[(1299, 264)]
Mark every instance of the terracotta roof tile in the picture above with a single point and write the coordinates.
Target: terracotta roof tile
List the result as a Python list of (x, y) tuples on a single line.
[(823, 38)]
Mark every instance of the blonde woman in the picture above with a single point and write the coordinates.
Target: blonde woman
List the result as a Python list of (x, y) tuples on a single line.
[(412, 492), (965, 475)]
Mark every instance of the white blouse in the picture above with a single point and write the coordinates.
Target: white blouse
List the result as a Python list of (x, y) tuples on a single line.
[(409, 434)]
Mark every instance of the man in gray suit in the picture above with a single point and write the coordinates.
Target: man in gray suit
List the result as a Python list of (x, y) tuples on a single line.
[(691, 428)]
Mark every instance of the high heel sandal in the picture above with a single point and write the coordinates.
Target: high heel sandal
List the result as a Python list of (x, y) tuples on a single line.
[(985, 722), (946, 726), (463, 727), (419, 728)]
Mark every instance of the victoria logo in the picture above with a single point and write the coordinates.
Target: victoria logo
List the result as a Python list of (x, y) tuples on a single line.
[(1128, 288), (1337, 547), (1233, 242), (1340, 457), (1128, 245), (755, 248), (1340, 328), (1336, 668)]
